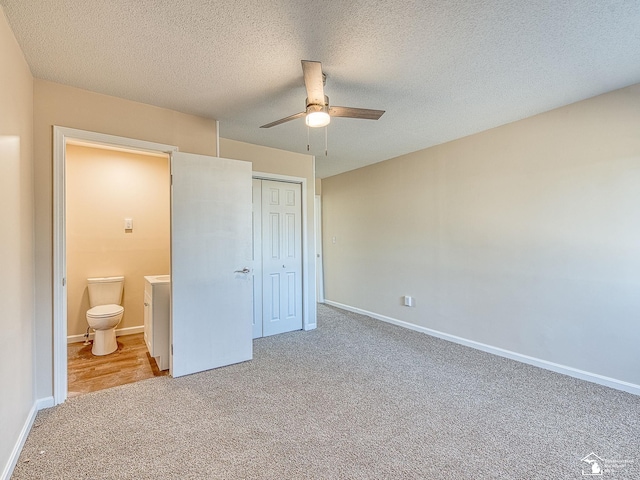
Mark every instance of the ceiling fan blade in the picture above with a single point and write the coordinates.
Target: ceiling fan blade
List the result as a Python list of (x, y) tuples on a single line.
[(284, 120), (350, 112), (313, 81)]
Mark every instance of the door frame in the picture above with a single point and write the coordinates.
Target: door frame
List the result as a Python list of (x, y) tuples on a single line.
[(307, 254), (62, 135), (319, 252)]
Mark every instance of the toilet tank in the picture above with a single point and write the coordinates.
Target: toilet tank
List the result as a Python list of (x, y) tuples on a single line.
[(105, 290)]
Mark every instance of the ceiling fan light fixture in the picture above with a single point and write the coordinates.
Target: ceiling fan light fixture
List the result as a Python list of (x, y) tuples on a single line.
[(317, 119), (317, 116), (318, 113)]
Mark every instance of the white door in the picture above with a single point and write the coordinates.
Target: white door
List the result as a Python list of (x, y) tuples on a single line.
[(210, 247), (281, 257)]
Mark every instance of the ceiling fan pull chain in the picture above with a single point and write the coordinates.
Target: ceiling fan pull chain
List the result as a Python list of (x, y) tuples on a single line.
[(308, 138), (326, 148)]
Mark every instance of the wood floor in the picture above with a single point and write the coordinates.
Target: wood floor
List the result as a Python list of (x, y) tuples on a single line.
[(130, 363)]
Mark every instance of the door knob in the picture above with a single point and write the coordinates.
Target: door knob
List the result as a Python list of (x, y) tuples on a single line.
[(244, 270)]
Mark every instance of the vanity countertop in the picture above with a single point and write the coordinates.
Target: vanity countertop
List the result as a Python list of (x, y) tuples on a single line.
[(158, 278)]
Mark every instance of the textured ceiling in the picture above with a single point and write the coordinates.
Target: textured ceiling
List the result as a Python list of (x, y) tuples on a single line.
[(440, 69)]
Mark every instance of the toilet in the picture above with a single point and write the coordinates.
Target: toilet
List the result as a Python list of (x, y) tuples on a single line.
[(105, 296)]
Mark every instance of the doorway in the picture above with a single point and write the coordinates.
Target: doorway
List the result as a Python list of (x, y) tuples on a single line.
[(117, 221), (61, 136), (210, 226)]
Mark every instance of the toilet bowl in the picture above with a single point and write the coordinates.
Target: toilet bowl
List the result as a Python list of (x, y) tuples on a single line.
[(105, 295), (104, 319)]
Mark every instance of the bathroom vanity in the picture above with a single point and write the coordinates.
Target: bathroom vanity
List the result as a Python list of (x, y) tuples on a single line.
[(157, 297)]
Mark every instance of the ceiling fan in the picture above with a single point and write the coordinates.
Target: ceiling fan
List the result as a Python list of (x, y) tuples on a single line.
[(318, 113)]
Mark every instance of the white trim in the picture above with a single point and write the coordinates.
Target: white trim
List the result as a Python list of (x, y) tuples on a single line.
[(217, 138), (115, 141), (59, 268), (39, 404), (119, 333), (17, 448), (318, 244), (60, 137), (115, 148), (278, 177), (308, 287), (536, 362), (46, 402)]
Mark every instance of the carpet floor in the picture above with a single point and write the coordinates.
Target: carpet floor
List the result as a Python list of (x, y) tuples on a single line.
[(354, 399)]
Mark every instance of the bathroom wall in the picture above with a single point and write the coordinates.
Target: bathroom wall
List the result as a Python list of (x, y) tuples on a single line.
[(103, 188), (17, 373)]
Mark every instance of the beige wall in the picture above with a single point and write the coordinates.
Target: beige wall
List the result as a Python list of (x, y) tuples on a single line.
[(281, 162), (103, 187), (270, 160), (61, 105), (16, 243), (525, 237)]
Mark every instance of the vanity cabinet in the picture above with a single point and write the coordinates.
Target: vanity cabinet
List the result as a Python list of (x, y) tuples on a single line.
[(157, 297)]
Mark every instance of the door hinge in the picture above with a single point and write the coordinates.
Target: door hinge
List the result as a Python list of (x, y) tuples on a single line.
[(172, 349), (64, 282)]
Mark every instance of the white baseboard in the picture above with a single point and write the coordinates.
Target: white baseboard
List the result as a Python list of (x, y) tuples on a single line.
[(119, 332), (17, 448), (39, 404), (537, 362), (46, 402)]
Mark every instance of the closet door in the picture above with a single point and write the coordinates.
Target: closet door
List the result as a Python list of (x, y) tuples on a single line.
[(211, 293), (281, 257), (256, 274)]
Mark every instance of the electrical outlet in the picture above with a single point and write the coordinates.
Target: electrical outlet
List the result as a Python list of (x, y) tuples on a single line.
[(408, 301)]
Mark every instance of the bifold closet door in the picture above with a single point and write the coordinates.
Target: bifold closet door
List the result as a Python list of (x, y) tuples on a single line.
[(211, 292), (281, 257)]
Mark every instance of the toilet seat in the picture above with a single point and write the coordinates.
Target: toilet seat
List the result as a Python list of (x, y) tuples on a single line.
[(102, 311)]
